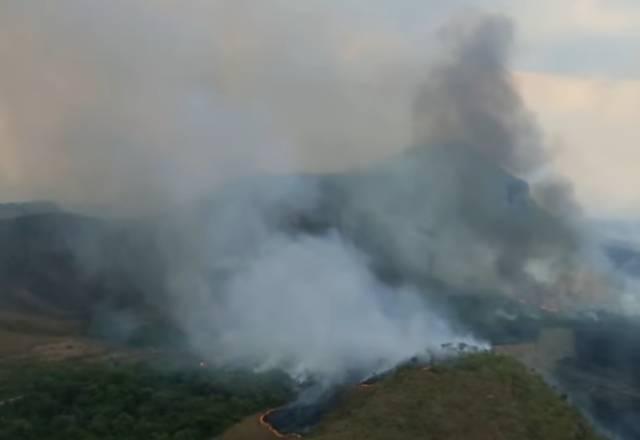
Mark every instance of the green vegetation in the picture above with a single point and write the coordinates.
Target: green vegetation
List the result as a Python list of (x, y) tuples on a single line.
[(84, 401), (483, 396)]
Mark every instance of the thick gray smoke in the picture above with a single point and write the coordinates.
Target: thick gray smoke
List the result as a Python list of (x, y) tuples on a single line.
[(306, 303), (452, 208), (470, 100), (139, 104), (445, 212)]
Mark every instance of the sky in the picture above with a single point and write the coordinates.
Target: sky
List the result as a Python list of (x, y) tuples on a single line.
[(156, 86)]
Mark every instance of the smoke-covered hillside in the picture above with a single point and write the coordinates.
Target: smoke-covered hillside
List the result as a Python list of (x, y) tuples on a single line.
[(237, 240)]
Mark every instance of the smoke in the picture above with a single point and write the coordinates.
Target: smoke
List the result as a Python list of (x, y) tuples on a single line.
[(330, 317), (268, 294), (327, 273), (470, 100), (458, 207), (144, 105), (132, 105)]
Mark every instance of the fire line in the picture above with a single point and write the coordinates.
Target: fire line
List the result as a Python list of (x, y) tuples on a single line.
[(263, 418), (274, 431)]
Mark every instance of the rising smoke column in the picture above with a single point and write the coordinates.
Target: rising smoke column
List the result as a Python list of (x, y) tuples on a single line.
[(451, 208), (351, 295), (307, 303)]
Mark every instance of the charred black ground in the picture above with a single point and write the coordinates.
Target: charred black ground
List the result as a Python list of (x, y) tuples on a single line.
[(300, 418)]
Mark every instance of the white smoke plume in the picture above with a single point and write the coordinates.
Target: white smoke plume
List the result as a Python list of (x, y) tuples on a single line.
[(312, 304), (150, 106), (309, 304)]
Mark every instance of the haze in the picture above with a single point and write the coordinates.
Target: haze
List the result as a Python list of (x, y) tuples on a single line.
[(128, 105)]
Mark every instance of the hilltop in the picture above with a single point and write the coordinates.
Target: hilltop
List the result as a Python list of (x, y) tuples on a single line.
[(483, 396)]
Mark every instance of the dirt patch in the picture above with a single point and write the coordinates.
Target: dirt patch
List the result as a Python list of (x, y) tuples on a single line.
[(37, 324), (66, 349), (14, 344)]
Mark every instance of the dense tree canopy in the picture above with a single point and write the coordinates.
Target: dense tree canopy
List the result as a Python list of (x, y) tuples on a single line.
[(84, 402)]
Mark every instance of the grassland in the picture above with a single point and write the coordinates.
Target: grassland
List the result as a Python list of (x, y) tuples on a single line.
[(480, 397)]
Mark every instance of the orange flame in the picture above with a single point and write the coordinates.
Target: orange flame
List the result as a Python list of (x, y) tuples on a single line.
[(271, 429)]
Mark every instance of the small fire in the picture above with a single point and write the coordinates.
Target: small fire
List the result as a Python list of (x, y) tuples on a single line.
[(272, 430)]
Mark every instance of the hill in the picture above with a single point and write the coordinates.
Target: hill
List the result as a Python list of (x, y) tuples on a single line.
[(483, 396), (12, 210)]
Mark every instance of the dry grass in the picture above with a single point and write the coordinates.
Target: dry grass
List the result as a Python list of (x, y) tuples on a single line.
[(479, 398), (20, 322), (15, 344), (67, 349), (26, 336)]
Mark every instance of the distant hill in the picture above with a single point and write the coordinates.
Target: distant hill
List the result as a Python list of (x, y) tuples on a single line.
[(56, 261), (408, 214), (113, 271), (12, 210), (104, 273)]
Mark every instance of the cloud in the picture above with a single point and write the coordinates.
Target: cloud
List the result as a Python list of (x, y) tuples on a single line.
[(552, 20)]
